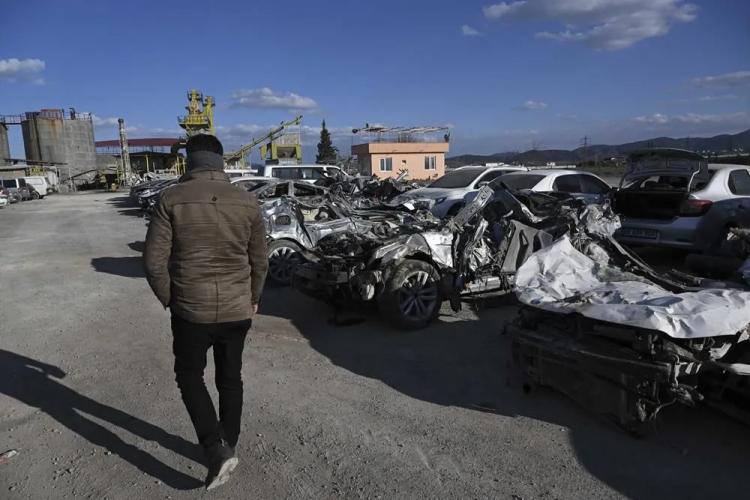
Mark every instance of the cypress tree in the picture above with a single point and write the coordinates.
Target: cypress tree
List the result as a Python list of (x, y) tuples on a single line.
[(327, 153)]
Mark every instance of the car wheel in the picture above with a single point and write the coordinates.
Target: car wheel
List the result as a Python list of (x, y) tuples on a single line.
[(411, 298), (283, 257), (35, 196)]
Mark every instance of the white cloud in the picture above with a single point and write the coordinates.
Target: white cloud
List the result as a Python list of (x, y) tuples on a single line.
[(98, 121), (600, 24), (722, 97), (690, 122), (657, 118), (533, 105), (269, 98), (714, 119), (467, 30), (26, 70), (734, 79)]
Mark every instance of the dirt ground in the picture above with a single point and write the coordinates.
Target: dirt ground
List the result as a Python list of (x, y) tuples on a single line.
[(88, 398)]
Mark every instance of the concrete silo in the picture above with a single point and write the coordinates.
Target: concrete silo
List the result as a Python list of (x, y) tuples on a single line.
[(51, 135), (4, 145)]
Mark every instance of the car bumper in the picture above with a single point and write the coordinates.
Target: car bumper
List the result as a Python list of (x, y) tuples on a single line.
[(679, 232)]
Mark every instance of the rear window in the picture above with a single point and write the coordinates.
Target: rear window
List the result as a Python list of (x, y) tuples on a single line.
[(518, 181), (739, 182), (568, 184), (8, 183)]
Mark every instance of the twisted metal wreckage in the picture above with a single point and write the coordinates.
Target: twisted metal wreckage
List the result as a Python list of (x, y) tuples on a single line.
[(596, 323)]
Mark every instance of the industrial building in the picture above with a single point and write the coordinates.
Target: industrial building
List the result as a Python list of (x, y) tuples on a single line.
[(387, 151), (52, 137), (150, 154)]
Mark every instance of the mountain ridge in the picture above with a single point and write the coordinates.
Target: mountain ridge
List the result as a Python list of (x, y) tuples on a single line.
[(721, 142)]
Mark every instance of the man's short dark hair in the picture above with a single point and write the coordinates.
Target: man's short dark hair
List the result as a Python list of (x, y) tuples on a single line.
[(204, 142)]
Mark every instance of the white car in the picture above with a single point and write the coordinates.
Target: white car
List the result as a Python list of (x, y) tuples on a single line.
[(40, 184), (304, 173), (4, 201), (451, 192), (583, 185)]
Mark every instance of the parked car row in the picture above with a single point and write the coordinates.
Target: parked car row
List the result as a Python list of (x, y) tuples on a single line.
[(667, 197), (23, 189)]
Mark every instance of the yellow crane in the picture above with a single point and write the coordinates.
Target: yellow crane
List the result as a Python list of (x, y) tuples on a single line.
[(273, 149), (200, 117)]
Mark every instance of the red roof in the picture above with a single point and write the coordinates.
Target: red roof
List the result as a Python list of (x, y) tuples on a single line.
[(155, 142)]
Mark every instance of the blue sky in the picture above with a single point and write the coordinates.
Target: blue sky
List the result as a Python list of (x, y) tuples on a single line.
[(504, 75)]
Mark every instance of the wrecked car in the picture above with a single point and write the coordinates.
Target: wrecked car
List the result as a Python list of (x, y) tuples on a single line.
[(294, 226), (601, 326), (410, 269)]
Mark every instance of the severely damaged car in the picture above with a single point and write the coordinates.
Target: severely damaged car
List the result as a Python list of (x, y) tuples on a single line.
[(410, 267), (602, 327)]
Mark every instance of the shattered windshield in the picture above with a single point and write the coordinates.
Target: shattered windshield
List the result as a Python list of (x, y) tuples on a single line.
[(457, 179)]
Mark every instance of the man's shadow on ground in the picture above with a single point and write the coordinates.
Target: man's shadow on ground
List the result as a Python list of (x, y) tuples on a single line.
[(129, 267), (34, 383)]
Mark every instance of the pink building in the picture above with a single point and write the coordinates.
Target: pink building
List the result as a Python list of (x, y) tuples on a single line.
[(388, 152)]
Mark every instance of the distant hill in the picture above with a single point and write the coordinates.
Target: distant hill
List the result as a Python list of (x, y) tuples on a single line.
[(724, 142)]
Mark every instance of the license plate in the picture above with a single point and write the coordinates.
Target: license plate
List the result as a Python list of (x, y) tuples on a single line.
[(632, 232)]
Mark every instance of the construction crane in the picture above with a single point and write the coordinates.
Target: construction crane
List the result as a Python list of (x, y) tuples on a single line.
[(273, 151), (200, 117)]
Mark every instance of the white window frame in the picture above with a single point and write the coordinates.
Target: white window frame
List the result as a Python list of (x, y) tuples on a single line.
[(386, 164), (430, 162)]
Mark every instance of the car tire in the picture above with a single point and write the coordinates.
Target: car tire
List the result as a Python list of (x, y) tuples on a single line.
[(35, 196), (283, 257), (411, 298)]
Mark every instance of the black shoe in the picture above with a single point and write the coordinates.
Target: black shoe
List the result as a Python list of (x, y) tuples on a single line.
[(221, 464)]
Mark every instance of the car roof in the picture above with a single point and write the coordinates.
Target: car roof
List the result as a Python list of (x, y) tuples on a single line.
[(252, 178), (484, 168), (304, 165), (721, 166), (551, 171)]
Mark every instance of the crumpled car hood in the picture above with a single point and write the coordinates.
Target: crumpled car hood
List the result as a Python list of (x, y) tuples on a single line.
[(561, 279)]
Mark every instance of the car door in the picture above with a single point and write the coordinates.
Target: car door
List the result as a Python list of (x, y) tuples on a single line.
[(739, 185)]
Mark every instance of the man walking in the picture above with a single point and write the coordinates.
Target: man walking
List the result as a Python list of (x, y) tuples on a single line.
[(206, 260)]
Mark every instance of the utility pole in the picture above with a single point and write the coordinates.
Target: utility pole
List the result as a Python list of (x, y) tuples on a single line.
[(585, 145), (124, 153)]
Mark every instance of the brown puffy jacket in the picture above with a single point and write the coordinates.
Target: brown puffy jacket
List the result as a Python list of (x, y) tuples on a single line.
[(205, 250)]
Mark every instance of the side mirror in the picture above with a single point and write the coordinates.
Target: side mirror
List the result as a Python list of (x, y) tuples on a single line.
[(482, 184)]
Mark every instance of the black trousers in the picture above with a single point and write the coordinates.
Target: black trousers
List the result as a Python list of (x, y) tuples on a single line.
[(190, 345)]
